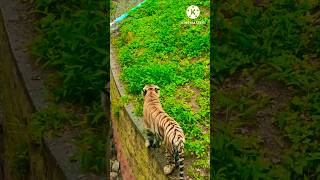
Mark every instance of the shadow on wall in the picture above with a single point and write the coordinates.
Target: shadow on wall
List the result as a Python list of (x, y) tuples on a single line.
[(1, 145)]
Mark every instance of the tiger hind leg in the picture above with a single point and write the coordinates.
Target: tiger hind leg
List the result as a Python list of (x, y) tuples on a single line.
[(170, 165)]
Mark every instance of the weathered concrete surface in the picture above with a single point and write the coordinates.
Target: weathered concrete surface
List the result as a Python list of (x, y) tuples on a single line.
[(62, 148), (17, 109), (18, 21)]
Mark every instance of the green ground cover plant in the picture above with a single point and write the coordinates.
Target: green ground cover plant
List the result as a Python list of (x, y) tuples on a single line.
[(154, 47), (71, 45), (49, 122), (266, 81), (92, 142), (71, 40)]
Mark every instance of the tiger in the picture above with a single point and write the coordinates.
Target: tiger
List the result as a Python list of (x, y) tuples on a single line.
[(160, 127)]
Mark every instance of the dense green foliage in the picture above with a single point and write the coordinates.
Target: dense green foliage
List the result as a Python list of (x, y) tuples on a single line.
[(48, 122), (71, 44), (92, 142), (155, 47), (72, 40), (260, 42)]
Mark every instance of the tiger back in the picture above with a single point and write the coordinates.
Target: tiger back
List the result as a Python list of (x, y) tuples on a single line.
[(161, 127)]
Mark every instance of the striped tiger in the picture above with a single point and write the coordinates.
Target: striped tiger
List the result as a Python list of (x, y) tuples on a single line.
[(160, 127)]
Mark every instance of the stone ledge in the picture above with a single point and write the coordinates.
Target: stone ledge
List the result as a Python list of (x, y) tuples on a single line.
[(16, 24)]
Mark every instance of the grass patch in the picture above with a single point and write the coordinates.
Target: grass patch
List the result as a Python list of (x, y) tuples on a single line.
[(261, 42), (154, 47)]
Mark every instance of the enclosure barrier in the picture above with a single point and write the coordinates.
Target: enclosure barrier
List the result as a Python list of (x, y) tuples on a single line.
[(20, 96), (136, 161)]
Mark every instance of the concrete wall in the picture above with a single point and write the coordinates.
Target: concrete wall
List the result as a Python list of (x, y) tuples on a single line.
[(20, 97), (17, 110), (136, 161)]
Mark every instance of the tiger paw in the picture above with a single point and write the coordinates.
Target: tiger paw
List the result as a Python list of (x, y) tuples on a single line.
[(147, 144), (167, 169)]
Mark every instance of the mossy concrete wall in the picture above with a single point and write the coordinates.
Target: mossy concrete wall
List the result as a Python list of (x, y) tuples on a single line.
[(136, 161), (22, 159)]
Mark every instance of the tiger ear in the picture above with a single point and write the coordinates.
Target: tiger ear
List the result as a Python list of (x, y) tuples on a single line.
[(157, 89), (144, 92)]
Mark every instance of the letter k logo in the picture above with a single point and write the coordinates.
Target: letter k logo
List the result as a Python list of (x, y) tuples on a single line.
[(193, 12)]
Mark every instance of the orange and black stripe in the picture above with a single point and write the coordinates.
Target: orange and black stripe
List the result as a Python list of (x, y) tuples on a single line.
[(161, 124)]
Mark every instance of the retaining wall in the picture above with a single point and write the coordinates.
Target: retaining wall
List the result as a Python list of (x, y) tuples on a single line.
[(17, 110), (21, 95), (136, 161)]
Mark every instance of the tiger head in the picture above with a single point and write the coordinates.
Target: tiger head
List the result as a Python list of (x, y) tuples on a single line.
[(151, 89)]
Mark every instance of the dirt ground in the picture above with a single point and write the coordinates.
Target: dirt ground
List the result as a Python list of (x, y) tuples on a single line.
[(122, 6), (273, 140)]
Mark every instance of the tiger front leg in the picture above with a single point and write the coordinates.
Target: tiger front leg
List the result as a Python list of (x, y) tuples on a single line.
[(147, 142), (151, 140), (157, 141), (170, 165)]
